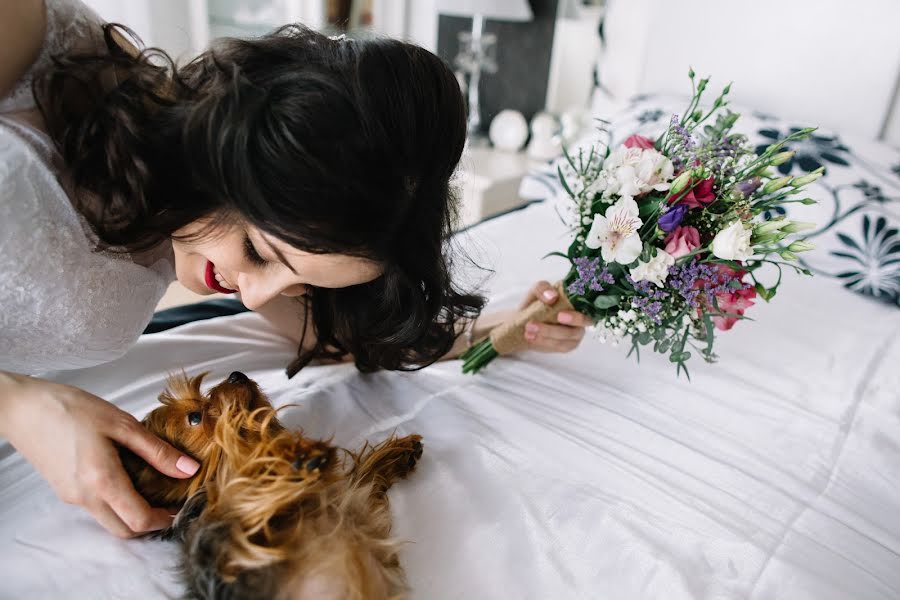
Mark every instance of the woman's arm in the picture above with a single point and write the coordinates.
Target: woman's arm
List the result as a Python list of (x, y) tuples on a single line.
[(287, 315), (22, 25)]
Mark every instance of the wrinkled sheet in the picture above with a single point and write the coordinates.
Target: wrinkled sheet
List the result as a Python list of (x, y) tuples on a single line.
[(773, 474)]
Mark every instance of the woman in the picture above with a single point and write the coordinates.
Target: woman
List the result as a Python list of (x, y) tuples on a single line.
[(308, 175)]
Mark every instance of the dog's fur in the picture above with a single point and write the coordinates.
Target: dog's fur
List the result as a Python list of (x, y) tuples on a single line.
[(271, 514)]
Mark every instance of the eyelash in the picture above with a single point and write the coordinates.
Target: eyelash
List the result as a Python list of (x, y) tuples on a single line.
[(251, 253)]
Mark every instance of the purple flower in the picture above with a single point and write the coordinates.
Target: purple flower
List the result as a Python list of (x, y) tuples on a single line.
[(672, 218), (588, 277), (748, 186)]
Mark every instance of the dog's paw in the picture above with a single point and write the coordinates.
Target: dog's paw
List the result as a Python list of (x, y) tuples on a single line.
[(412, 451), (313, 458), (416, 450)]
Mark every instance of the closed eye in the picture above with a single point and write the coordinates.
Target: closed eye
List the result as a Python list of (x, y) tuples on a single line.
[(251, 253)]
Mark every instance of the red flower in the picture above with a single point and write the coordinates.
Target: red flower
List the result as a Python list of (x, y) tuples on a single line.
[(639, 141), (698, 196), (731, 303)]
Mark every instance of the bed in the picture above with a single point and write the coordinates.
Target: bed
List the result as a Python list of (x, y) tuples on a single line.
[(772, 474)]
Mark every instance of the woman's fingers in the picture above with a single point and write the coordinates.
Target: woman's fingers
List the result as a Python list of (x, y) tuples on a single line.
[(573, 318), (129, 432), (132, 510), (109, 520), (542, 291), (546, 336)]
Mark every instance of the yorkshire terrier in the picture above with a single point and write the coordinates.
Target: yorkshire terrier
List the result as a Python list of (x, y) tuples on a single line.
[(271, 514)]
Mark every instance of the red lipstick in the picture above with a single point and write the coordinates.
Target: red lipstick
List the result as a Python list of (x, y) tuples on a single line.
[(210, 279)]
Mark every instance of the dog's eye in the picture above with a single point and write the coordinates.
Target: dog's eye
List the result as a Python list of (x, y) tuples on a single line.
[(194, 419)]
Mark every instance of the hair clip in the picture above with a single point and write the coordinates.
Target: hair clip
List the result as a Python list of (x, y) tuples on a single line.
[(338, 38)]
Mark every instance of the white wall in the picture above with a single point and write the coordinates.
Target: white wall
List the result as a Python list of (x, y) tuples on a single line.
[(176, 26), (422, 23), (830, 62)]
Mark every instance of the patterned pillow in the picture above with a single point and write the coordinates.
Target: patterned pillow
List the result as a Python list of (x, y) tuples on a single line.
[(858, 211)]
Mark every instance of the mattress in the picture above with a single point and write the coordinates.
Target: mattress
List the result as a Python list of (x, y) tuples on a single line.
[(774, 473)]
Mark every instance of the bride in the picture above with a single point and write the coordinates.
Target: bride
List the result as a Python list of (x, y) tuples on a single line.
[(306, 175)]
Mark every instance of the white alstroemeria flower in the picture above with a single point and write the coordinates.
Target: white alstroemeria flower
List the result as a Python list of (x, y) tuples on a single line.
[(733, 242), (655, 270), (616, 232), (634, 171)]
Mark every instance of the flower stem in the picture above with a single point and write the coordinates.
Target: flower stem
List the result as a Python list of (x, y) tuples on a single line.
[(478, 356)]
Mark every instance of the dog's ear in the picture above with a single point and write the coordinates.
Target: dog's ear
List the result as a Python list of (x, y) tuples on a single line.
[(189, 513), (180, 386)]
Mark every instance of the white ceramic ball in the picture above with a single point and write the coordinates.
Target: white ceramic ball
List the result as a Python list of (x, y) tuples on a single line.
[(544, 125), (508, 130), (545, 141)]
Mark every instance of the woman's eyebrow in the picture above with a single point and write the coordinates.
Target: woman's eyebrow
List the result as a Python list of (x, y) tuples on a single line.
[(280, 256)]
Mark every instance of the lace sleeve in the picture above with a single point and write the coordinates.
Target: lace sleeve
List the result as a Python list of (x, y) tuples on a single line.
[(70, 24)]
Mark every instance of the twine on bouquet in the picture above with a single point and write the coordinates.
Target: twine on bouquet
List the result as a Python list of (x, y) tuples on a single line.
[(509, 336)]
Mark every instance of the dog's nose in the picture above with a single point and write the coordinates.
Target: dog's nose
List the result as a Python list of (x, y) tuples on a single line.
[(238, 377)]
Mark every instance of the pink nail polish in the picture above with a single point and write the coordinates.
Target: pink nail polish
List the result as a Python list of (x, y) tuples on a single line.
[(549, 295), (187, 465), (531, 328), (564, 318)]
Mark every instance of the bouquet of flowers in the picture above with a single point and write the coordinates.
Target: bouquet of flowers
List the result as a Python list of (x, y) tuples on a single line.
[(668, 236)]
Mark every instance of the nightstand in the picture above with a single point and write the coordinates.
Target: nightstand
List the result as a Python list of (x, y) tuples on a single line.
[(488, 180)]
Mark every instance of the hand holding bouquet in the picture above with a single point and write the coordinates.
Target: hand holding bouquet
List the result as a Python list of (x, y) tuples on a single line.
[(668, 236)]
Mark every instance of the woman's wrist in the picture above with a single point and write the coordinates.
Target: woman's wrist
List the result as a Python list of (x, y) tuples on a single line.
[(486, 322), (474, 331)]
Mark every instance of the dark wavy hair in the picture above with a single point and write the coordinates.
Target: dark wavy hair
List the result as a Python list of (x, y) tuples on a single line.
[(329, 145)]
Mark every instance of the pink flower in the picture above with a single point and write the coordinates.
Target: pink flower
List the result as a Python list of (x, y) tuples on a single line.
[(728, 302), (682, 241), (699, 196), (733, 303), (639, 141)]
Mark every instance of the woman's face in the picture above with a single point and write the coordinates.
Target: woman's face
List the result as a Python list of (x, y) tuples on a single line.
[(239, 258)]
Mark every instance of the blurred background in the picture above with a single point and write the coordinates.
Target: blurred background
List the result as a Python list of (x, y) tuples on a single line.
[(829, 61)]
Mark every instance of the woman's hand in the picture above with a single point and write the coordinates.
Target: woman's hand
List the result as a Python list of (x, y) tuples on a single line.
[(67, 434), (562, 336)]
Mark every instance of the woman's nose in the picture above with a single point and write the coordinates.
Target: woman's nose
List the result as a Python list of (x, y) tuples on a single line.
[(255, 293)]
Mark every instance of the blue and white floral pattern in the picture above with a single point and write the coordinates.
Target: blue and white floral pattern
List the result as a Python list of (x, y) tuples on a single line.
[(873, 260)]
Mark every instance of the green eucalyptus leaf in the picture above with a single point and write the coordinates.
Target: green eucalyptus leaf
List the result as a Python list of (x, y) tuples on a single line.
[(606, 301)]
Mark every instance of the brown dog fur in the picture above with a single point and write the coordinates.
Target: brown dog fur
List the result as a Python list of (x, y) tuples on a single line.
[(271, 514)]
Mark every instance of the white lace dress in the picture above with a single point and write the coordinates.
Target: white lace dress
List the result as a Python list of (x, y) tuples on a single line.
[(62, 305)]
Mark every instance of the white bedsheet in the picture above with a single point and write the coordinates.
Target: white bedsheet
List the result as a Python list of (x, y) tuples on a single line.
[(774, 474)]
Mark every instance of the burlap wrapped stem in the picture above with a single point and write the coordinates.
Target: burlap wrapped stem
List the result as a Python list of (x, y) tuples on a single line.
[(509, 337)]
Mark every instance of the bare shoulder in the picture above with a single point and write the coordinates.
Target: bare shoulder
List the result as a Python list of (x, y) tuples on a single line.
[(22, 26)]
